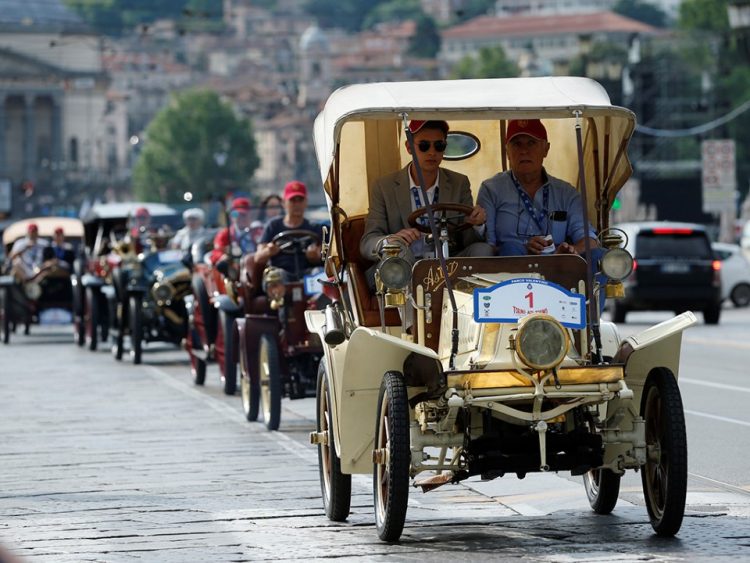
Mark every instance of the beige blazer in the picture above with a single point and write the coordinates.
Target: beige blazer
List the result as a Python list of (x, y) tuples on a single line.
[(390, 207)]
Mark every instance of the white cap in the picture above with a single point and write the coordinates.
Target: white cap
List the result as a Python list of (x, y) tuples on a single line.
[(194, 213)]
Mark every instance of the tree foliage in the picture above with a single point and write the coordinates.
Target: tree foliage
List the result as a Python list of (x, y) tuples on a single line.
[(114, 17), (392, 11), (197, 145), (705, 15), (642, 11), (491, 62), (426, 41), (348, 14)]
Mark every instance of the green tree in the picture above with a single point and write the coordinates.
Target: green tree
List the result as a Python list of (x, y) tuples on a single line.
[(490, 63), (642, 11), (393, 10), (474, 8), (196, 145), (349, 14), (704, 15), (426, 41)]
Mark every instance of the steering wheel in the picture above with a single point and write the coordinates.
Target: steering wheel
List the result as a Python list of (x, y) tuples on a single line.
[(451, 221), (295, 240)]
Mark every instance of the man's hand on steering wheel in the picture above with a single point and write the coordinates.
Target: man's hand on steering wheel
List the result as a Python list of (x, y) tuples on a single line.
[(478, 216), (408, 235)]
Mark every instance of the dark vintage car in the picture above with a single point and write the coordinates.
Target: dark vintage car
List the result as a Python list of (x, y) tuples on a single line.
[(46, 296), (278, 356), (212, 308), (105, 226)]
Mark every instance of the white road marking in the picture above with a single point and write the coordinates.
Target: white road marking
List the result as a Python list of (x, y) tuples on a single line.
[(718, 343), (714, 385), (719, 418)]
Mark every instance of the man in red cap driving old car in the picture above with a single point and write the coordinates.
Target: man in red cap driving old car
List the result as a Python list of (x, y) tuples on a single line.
[(236, 239), (294, 264), (395, 196), (27, 253)]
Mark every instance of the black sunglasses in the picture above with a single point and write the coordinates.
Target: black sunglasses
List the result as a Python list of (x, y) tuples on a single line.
[(424, 146)]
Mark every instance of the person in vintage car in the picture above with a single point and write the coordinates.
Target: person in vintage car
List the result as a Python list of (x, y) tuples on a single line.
[(140, 229), (395, 196), (234, 240), (60, 250), (192, 231), (294, 259), (529, 211), (27, 253)]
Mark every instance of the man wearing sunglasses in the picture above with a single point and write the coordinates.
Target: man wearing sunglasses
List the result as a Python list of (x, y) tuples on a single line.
[(529, 211), (395, 196)]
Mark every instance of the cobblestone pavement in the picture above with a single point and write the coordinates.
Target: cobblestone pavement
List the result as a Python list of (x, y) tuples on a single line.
[(105, 461)]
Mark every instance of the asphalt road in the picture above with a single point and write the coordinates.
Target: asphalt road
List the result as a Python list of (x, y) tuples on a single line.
[(105, 461)]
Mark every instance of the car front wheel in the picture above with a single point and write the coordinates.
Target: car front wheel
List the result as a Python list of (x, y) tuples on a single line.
[(740, 295)]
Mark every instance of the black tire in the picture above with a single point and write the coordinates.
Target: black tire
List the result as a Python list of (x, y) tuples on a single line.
[(135, 307), (712, 313), (229, 372), (119, 346), (269, 375), (619, 312), (391, 479), (602, 488), (664, 476), (79, 312), (336, 487), (207, 310), (91, 318), (740, 295), (249, 391), (5, 304)]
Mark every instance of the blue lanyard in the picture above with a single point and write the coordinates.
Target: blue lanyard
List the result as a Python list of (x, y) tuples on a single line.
[(538, 217), (418, 202)]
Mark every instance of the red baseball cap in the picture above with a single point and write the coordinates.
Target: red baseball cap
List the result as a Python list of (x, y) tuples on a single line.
[(142, 212), (530, 127), (415, 125), (59, 231), (295, 188), (241, 203), (31, 227)]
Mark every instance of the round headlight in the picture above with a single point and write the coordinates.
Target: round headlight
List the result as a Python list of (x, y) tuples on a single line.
[(617, 264), (394, 272), (541, 342), (162, 293)]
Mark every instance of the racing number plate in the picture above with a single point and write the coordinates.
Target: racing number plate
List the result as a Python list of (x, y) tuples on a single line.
[(511, 300)]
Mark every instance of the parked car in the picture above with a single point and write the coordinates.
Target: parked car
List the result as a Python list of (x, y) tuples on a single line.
[(735, 273), (674, 269), (507, 368), (47, 296)]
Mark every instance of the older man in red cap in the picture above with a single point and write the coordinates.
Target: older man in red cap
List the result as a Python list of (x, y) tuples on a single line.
[(395, 196), (529, 211), (294, 263), (27, 253), (236, 239)]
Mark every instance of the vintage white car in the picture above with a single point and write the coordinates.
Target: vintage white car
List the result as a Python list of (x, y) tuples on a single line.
[(507, 368)]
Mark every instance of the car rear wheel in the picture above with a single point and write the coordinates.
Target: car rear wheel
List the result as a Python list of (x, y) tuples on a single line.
[(79, 312), (740, 295), (664, 476), (712, 313), (270, 381), (136, 328), (249, 391), (91, 318), (391, 458), (335, 486), (229, 365), (602, 488), (5, 312)]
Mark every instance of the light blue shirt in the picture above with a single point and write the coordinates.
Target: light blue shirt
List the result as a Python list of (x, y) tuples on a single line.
[(509, 224)]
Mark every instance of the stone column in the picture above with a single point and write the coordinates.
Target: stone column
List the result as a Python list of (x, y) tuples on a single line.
[(29, 139), (57, 140), (3, 153)]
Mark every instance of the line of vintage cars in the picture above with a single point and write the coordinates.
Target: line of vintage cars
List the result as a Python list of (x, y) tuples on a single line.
[(476, 386)]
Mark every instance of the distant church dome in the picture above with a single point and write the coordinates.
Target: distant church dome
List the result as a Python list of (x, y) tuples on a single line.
[(39, 16), (313, 40)]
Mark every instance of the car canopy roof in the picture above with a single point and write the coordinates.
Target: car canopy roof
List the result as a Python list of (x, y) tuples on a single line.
[(359, 134), (73, 228)]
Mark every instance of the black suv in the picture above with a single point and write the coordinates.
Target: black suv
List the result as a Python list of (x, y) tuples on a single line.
[(675, 269)]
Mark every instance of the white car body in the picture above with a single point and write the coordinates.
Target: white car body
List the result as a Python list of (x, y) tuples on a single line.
[(735, 273)]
